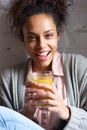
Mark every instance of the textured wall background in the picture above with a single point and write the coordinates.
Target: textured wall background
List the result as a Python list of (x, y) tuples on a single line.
[(73, 38)]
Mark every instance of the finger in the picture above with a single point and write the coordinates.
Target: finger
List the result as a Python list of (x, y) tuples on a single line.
[(46, 95), (46, 87), (30, 90), (30, 83), (46, 103)]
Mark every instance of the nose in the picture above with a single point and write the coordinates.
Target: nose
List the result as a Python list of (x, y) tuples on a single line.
[(41, 42)]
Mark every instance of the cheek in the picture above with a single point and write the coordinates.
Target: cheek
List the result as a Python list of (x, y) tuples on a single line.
[(31, 48), (55, 47), (54, 44), (28, 47)]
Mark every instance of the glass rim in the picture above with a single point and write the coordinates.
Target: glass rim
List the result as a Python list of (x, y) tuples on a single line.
[(44, 73)]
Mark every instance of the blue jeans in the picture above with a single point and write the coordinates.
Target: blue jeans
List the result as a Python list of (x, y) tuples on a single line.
[(12, 120)]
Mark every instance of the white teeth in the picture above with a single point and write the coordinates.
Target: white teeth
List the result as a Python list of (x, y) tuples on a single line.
[(43, 54)]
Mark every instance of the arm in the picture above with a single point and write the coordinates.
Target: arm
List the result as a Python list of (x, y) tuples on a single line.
[(76, 78), (78, 119), (5, 95), (12, 87)]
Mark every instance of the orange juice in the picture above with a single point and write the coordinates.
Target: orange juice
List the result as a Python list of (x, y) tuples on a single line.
[(43, 78)]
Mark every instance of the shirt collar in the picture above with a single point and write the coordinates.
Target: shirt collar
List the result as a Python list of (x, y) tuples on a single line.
[(57, 66)]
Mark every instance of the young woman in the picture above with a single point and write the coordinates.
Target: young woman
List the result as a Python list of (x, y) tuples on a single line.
[(38, 24)]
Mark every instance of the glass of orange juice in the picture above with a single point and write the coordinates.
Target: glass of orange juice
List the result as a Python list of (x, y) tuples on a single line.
[(45, 77), (41, 77)]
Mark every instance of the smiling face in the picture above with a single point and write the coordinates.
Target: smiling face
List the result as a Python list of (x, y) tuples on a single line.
[(41, 40)]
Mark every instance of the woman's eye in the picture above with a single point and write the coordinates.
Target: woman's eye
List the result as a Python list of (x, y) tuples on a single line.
[(49, 36), (31, 38)]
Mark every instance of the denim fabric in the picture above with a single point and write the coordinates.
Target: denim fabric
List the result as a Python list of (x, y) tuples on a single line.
[(12, 120)]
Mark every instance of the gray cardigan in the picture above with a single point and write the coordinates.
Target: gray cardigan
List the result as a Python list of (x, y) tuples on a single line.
[(75, 71)]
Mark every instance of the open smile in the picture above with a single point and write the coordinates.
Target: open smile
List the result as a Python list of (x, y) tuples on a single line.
[(42, 55)]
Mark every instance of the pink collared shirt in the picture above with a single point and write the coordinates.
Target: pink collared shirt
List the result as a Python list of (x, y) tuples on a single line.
[(58, 74), (44, 118)]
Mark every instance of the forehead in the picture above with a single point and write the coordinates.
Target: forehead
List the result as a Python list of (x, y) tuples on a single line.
[(40, 22)]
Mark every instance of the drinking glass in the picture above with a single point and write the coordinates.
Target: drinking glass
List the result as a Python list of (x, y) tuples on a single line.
[(42, 78)]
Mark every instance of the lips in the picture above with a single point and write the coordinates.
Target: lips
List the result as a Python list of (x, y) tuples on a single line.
[(42, 55)]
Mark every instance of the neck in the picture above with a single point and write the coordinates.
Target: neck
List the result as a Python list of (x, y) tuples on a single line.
[(36, 68)]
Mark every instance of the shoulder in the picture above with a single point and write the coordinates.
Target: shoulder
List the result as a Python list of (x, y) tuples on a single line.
[(75, 63), (13, 70), (74, 58)]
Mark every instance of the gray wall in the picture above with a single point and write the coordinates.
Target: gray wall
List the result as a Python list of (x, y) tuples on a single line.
[(73, 38)]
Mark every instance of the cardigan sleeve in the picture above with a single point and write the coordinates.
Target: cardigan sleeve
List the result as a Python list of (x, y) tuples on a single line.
[(78, 120), (12, 87), (76, 71), (5, 91)]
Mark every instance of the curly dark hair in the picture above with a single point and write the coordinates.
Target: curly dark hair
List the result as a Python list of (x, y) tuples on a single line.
[(21, 10)]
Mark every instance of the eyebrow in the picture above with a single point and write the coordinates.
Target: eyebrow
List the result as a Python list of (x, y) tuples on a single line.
[(32, 33), (49, 30)]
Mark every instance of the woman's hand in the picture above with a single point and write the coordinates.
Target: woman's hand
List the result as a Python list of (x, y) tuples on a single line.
[(46, 97), (54, 103), (29, 107)]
